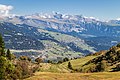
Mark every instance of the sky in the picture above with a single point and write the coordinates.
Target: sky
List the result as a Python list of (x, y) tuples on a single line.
[(101, 9)]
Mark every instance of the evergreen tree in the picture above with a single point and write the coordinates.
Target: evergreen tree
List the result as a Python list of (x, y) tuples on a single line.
[(69, 65), (9, 55), (2, 46)]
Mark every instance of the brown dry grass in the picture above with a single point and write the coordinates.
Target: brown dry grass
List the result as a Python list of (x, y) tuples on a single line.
[(75, 76)]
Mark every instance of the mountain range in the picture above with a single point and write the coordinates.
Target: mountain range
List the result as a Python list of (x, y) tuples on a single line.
[(55, 36)]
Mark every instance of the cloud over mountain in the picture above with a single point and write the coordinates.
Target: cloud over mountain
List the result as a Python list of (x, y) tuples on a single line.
[(5, 9)]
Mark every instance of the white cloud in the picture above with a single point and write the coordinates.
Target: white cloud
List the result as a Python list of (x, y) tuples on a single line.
[(5, 9), (118, 19)]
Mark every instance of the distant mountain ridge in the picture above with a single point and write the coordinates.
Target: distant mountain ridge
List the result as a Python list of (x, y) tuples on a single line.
[(68, 23)]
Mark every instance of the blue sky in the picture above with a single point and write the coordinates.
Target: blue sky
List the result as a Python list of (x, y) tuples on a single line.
[(102, 9)]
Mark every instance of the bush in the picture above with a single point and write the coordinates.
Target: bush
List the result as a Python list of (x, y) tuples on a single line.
[(6, 68), (59, 62), (117, 68), (103, 65), (49, 61), (65, 59), (118, 45), (24, 69), (25, 58), (89, 68), (38, 60)]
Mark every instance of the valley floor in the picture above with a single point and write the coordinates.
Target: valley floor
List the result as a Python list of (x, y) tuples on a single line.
[(75, 76)]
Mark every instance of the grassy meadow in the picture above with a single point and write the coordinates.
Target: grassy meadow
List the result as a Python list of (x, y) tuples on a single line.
[(75, 76)]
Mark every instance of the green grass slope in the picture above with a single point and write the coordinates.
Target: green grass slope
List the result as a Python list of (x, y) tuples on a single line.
[(65, 39), (63, 67), (55, 51)]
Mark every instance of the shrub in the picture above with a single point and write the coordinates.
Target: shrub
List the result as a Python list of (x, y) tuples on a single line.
[(89, 68), (117, 68), (25, 58), (60, 62), (65, 59), (38, 60), (118, 45), (49, 61), (6, 68), (24, 69)]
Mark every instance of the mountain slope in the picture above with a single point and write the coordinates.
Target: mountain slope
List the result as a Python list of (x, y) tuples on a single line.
[(106, 61), (35, 42), (87, 28)]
